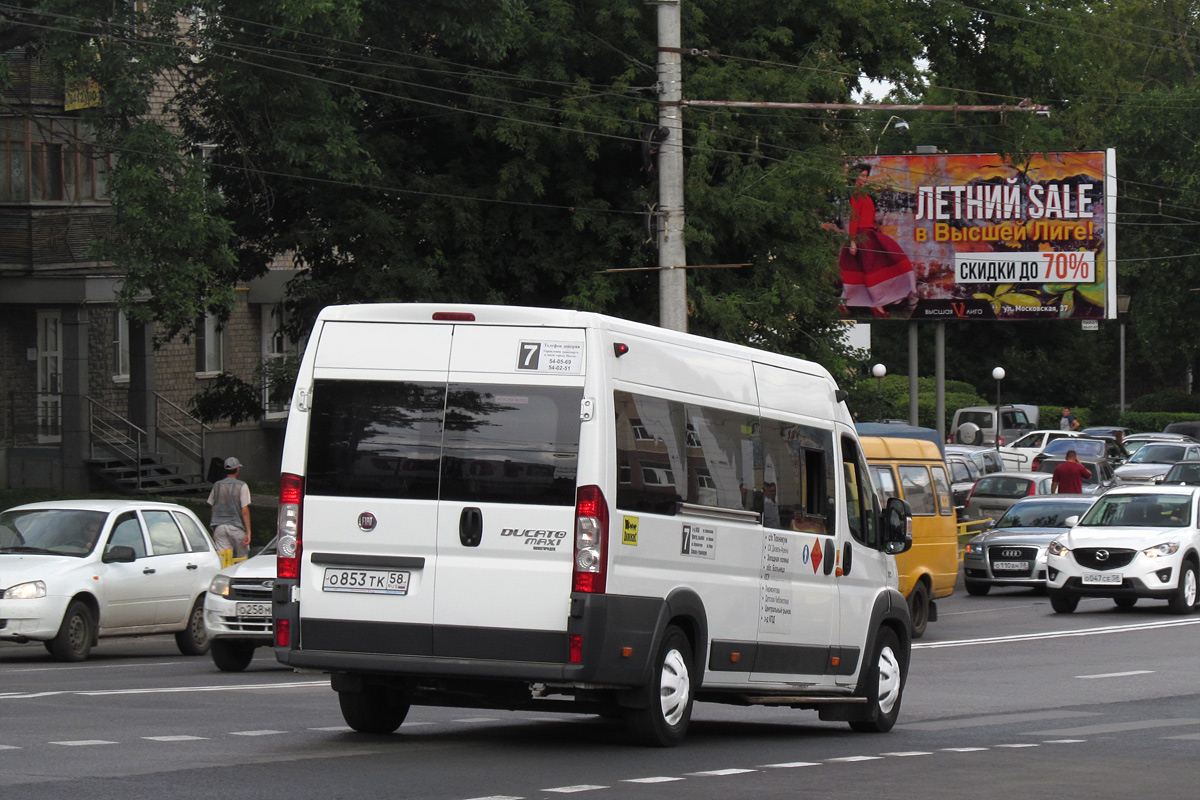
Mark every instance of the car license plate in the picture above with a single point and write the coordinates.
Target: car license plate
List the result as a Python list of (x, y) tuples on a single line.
[(254, 609), (366, 581), (1011, 566), (1101, 578)]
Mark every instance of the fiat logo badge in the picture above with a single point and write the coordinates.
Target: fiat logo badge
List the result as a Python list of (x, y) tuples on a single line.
[(366, 521)]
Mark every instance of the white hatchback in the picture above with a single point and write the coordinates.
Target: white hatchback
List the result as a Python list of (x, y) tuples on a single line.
[(1135, 542), (237, 610), (74, 571)]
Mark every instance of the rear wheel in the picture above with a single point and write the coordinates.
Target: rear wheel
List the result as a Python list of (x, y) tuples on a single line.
[(918, 609), (664, 721), (373, 710), (193, 640), (1184, 599), (230, 656), (977, 589), (1125, 603), (885, 685), (75, 635), (1064, 603)]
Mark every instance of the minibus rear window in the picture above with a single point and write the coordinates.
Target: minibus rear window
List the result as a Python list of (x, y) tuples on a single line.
[(420, 441)]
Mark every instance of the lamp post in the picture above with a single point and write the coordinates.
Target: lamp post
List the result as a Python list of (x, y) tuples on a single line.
[(900, 125), (998, 374), (879, 370), (1122, 310)]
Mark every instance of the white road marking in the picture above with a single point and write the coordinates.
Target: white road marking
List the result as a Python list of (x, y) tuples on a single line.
[(792, 765), (1116, 674), (963, 749), (241, 687), (585, 787), (84, 742), (1032, 637), (848, 759), (909, 753), (344, 727), (477, 719), (498, 797), (997, 719), (255, 733), (9, 747), (1191, 736), (1065, 741), (178, 738), (720, 773), (660, 779), (18, 670), (1026, 744)]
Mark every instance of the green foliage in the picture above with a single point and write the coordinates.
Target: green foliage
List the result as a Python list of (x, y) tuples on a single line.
[(1172, 400), (228, 398), (1154, 420)]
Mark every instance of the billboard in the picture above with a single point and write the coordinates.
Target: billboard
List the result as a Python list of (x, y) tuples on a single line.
[(980, 237)]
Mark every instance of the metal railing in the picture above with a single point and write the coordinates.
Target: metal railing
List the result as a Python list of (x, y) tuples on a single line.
[(113, 436), (186, 434)]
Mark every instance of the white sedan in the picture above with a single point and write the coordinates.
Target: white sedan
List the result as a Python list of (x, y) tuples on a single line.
[(1018, 456), (74, 571)]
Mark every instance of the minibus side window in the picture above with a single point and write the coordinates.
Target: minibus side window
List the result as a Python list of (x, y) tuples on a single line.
[(942, 484), (720, 453), (798, 459), (885, 483), (918, 489), (860, 506), (650, 436)]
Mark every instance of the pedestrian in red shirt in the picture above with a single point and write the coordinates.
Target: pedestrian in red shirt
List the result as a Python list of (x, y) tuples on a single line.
[(1069, 476)]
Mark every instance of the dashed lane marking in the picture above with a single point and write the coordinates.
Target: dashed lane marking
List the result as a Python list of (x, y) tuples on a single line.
[(584, 787), (1116, 674), (720, 773), (1033, 637), (1014, 746), (910, 753), (178, 738), (255, 733), (852, 759), (658, 779), (963, 749), (792, 765), (84, 742), (1120, 727)]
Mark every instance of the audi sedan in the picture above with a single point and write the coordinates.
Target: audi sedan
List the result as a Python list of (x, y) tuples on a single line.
[(74, 571), (1013, 551)]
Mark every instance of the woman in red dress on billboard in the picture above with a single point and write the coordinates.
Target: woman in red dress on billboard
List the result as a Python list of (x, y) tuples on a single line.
[(875, 271)]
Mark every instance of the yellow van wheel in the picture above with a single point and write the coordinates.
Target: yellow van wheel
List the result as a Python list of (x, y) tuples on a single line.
[(918, 608)]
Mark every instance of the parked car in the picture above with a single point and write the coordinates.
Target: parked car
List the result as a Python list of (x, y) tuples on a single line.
[(1107, 431), (1187, 428), (1085, 447), (985, 458), (237, 610), (1135, 542), (1153, 460), (1101, 468), (1018, 456), (1183, 473), (977, 424), (1013, 551), (1138, 440), (993, 494), (74, 571), (963, 474)]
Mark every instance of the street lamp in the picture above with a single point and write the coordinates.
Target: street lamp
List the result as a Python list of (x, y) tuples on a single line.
[(1122, 310), (998, 374), (900, 125), (879, 370)]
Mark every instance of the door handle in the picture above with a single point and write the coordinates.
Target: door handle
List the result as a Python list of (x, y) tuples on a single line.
[(470, 527), (148, 571), (193, 566), (847, 558)]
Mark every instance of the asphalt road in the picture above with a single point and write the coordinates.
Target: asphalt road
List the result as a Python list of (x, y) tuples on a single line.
[(1005, 699)]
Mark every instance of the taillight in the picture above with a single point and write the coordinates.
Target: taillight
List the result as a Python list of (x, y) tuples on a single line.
[(1032, 487), (1001, 441), (289, 527), (591, 541), (1036, 464), (283, 633)]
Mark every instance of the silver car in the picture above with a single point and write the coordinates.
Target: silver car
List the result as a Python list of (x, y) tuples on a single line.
[(1152, 461), (994, 494), (1013, 551)]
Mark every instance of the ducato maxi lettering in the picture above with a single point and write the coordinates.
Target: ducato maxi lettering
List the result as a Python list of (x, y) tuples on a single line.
[(537, 539)]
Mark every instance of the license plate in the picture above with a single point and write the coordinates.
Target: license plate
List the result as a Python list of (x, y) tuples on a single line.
[(1011, 566), (366, 581), (1101, 578), (254, 609)]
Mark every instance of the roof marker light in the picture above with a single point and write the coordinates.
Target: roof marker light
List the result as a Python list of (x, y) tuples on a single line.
[(453, 316)]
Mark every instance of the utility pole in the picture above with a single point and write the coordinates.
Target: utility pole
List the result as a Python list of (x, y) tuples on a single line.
[(672, 258)]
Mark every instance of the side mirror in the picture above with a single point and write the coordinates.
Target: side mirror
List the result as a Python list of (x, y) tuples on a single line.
[(1071, 521), (119, 554), (895, 526)]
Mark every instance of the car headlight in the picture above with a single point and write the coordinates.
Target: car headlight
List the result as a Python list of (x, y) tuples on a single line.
[(1160, 550), (974, 549), (220, 585), (25, 591), (1057, 548)]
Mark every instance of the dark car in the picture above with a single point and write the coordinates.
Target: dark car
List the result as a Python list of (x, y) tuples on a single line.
[(1013, 551), (1107, 431), (1182, 473), (1103, 475)]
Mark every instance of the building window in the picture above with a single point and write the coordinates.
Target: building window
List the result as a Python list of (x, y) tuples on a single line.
[(50, 160), (280, 359), (210, 350), (120, 346)]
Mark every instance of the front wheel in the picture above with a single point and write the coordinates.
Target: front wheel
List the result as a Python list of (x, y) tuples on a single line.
[(918, 609), (75, 635), (193, 640), (977, 589), (1064, 603), (664, 721), (1184, 599), (232, 656), (1125, 603), (885, 685), (373, 710)]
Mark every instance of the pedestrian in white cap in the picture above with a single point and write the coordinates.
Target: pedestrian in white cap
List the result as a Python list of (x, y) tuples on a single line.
[(230, 501)]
